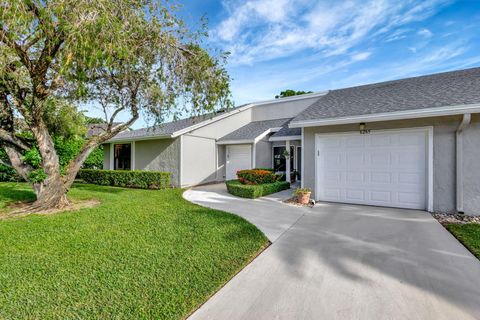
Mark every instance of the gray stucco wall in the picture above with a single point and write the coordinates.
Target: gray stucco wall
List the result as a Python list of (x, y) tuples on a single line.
[(263, 154), (199, 160), (159, 155), (221, 162), (281, 110), (106, 156), (444, 176), (471, 167)]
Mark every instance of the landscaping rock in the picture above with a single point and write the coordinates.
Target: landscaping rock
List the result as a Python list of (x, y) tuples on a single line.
[(445, 218)]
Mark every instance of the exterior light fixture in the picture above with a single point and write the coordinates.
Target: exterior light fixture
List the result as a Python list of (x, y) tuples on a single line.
[(363, 128)]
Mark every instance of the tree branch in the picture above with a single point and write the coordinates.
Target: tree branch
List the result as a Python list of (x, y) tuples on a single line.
[(6, 38), (13, 141)]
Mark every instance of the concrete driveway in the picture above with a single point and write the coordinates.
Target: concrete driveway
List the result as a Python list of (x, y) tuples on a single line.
[(344, 262)]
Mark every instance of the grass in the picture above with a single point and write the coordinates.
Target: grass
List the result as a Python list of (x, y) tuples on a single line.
[(140, 254), (468, 234)]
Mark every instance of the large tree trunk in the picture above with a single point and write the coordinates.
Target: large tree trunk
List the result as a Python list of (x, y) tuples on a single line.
[(50, 195)]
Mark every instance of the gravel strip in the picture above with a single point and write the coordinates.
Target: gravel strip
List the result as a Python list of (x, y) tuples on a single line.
[(444, 218)]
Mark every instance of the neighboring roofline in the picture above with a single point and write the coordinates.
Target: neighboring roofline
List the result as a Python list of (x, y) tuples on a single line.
[(388, 116), (285, 138)]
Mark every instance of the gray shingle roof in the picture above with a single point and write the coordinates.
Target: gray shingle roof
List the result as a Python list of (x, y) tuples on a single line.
[(437, 90), (254, 129), (163, 130), (288, 132)]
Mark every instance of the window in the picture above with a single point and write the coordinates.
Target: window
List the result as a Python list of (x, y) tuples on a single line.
[(279, 163), (123, 156)]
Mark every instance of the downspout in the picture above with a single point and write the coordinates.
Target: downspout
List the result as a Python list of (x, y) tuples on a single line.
[(459, 159)]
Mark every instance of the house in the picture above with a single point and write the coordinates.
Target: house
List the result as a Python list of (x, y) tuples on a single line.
[(410, 143)]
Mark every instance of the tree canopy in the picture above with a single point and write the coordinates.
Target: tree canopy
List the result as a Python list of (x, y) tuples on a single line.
[(124, 57), (290, 93)]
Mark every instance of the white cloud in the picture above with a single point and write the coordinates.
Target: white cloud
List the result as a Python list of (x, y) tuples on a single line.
[(412, 49), (259, 30), (361, 56), (425, 33)]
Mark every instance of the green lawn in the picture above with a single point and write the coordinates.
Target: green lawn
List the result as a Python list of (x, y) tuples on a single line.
[(468, 234), (140, 254)]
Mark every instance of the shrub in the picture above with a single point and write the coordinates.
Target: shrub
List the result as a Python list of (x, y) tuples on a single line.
[(238, 189), (300, 191), (130, 179), (256, 176), (266, 169)]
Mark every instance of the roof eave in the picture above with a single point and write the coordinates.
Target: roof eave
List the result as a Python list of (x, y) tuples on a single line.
[(389, 116), (156, 137), (240, 141), (285, 138)]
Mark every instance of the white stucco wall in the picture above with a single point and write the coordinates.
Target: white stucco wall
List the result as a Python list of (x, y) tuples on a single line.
[(443, 157), (199, 163)]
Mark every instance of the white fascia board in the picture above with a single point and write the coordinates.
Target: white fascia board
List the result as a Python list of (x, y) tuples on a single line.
[(388, 116), (285, 138), (244, 141)]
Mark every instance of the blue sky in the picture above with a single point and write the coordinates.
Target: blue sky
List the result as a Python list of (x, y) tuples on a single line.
[(320, 45)]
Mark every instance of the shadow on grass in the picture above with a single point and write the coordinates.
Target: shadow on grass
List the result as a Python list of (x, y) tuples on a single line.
[(14, 193), (98, 188)]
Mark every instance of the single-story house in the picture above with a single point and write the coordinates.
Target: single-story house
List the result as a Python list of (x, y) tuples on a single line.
[(410, 143)]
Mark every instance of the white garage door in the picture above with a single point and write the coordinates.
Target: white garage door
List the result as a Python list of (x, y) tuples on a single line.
[(382, 168), (239, 157)]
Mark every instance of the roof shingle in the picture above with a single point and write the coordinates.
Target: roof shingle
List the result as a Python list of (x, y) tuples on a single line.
[(437, 90), (254, 129)]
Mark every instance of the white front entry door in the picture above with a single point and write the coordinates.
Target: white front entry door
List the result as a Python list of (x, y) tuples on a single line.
[(386, 168), (239, 157)]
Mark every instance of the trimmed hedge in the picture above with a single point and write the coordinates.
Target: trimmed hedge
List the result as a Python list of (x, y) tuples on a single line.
[(129, 179), (251, 191), (256, 176)]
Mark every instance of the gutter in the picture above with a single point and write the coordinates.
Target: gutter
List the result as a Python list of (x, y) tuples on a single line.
[(467, 117)]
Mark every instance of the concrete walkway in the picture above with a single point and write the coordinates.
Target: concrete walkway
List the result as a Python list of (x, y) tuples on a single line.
[(344, 262)]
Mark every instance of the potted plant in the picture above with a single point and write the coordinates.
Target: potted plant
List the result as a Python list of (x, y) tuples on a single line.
[(303, 195)]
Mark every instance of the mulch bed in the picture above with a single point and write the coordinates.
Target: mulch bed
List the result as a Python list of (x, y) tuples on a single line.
[(444, 218), (293, 201)]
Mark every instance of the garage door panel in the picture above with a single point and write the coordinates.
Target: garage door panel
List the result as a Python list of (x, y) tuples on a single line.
[(381, 196), (353, 177), (355, 195), (238, 158), (388, 170), (381, 177), (354, 142), (380, 141)]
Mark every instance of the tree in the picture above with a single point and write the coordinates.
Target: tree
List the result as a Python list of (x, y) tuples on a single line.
[(125, 56), (290, 93)]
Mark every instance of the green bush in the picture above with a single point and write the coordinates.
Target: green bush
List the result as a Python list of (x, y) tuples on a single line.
[(266, 169), (129, 179), (256, 176), (238, 189)]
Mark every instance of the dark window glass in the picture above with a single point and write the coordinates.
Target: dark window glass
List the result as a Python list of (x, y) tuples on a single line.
[(123, 157), (279, 163)]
